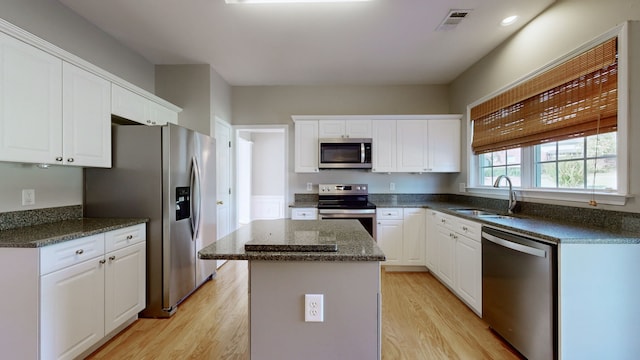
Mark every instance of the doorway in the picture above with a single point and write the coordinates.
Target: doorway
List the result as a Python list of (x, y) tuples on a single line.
[(261, 169)]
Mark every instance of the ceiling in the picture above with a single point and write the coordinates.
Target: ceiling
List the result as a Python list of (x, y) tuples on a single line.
[(379, 42)]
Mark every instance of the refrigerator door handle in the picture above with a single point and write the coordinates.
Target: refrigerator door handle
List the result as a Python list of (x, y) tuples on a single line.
[(195, 198)]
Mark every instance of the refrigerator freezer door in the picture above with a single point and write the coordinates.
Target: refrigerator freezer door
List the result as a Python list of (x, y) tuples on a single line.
[(206, 155), (179, 261)]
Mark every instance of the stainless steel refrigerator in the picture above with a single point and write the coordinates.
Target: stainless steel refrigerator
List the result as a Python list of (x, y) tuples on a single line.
[(166, 174)]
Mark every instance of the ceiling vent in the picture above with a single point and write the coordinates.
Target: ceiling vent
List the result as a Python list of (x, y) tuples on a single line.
[(452, 20)]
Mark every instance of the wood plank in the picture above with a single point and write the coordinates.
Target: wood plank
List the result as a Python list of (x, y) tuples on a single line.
[(421, 320)]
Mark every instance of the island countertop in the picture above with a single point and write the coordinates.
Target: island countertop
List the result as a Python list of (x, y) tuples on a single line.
[(352, 241)]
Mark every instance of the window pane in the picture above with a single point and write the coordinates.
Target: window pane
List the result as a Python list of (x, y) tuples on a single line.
[(571, 174), (606, 175), (485, 159), (606, 144), (571, 149), (499, 158), (487, 177), (514, 156), (514, 174), (546, 175), (497, 171), (546, 152)]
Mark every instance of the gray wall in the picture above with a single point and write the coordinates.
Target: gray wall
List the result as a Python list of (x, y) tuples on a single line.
[(52, 21), (261, 105), (60, 26), (187, 86), (560, 29)]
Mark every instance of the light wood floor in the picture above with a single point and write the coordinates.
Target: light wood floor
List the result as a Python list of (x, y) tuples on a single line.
[(421, 320)]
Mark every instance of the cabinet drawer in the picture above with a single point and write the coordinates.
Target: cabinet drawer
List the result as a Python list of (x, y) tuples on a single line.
[(118, 239), (304, 214), (389, 213), (58, 256), (468, 228)]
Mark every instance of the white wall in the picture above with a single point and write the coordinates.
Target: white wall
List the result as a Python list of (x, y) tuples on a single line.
[(52, 21), (268, 164), (563, 27), (260, 105)]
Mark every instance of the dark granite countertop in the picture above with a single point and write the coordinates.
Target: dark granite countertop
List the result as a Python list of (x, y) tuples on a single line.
[(60, 231), (554, 230), (304, 204), (353, 242)]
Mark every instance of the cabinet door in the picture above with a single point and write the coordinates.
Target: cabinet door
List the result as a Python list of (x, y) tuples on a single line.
[(443, 145), (86, 110), (383, 146), (124, 285), (71, 310), (30, 103), (331, 129), (412, 145), (413, 239), (128, 105), (306, 148), (469, 271), (160, 115), (431, 240), (358, 128), (446, 256), (389, 238)]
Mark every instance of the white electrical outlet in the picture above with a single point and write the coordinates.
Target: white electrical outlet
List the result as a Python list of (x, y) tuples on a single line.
[(309, 186), (28, 197), (462, 187), (314, 307), (392, 186)]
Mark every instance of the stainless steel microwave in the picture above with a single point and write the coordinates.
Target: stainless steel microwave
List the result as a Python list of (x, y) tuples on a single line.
[(344, 153)]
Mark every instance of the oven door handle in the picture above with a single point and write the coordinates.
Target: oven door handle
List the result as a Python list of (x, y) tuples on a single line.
[(514, 246)]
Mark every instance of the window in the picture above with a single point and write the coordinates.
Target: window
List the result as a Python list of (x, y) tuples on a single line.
[(559, 133), (583, 163), (498, 163)]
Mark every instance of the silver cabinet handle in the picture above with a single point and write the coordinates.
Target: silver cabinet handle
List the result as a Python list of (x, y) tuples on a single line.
[(102, 261), (79, 252), (129, 237), (70, 160), (111, 258), (59, 158)]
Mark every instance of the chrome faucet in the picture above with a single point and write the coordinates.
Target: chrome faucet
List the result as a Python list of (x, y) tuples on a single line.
[(512, 194)]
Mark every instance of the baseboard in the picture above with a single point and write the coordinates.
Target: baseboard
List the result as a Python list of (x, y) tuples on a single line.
[(405, 268)]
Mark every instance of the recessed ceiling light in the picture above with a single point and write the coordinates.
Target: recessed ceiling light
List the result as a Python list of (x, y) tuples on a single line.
[(287, 1), (509, 20)]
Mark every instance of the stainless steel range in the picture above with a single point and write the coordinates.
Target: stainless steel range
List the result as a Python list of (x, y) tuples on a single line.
[(347, 201)]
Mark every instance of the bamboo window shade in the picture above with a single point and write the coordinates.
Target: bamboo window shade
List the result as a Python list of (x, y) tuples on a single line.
[(576, 98)]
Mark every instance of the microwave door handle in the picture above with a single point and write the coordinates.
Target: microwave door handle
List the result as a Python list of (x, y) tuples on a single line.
[(362, 153)]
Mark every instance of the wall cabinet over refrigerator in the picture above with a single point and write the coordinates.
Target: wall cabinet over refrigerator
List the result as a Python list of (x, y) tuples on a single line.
[(131, 106)]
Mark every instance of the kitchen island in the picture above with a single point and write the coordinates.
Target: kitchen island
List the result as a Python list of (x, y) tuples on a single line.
[(292, 258)]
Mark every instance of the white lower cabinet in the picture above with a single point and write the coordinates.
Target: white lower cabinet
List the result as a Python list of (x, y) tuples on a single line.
[(87, 287), (70, 304), (400, 235), (454, 254)]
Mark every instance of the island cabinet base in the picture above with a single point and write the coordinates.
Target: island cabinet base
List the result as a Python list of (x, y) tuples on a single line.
[(352, 316)]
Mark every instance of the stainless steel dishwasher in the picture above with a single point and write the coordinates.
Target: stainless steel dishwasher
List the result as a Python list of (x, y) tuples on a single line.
[(519, 292)]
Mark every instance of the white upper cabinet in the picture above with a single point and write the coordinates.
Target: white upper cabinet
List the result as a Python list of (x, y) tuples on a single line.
[(306, 146), (30, 103), (344, 129), (86, 112), (428, 145), (383, 147), (131, 106)]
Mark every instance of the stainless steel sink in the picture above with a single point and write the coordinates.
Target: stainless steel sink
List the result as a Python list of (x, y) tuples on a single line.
[(475, 212), (483, 214)]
